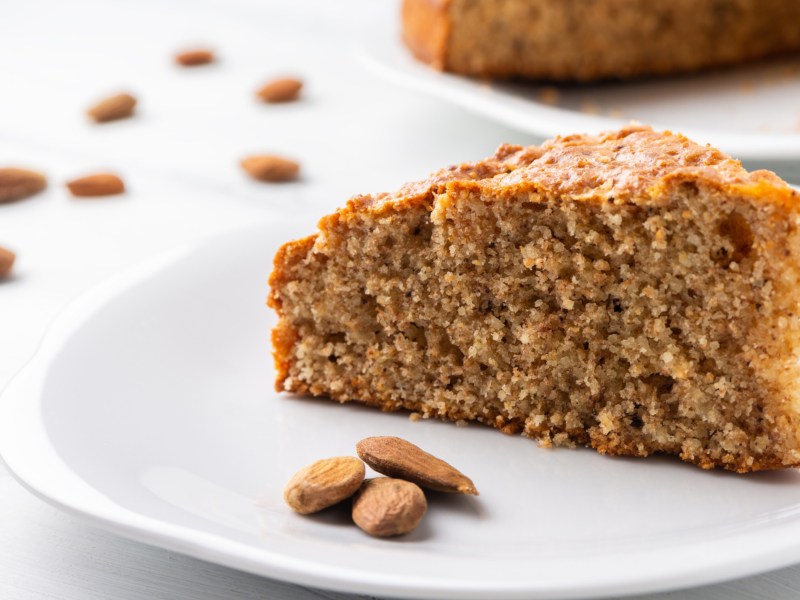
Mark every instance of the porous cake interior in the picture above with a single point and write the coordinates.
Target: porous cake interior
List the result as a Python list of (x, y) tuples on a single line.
[(633, 327)]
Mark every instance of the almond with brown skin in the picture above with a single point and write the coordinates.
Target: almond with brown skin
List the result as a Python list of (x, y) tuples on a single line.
[(119, 106), (285, 89), (396, 457), (100, 184), (7, 258), (323, 484), (270, 168), (16, 184), (195, 57), (386, 507)]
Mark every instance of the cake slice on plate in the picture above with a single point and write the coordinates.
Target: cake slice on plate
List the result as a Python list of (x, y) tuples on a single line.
[(634, 292)]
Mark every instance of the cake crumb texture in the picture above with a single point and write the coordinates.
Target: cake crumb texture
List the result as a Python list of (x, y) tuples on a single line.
[(633, 292)]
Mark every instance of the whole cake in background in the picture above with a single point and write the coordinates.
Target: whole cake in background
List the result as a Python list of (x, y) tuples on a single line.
[(580, 40), (634, 292)]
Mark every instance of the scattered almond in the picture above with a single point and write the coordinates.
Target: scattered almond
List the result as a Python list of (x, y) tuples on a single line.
[(396, 457), (386, 507), (285, 89), (7, 258), (114, 107), (16, 184), (270, 168), (195, 57), (323, 484), (100, 184)]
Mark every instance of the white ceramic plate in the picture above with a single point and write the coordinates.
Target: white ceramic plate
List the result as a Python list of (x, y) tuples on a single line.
[(750, 112), (149, 410)]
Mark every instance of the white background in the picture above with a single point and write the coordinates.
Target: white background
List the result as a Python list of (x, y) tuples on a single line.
[(179, 156)]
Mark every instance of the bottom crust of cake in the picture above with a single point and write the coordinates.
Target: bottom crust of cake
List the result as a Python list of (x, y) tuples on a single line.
[(547, 436)]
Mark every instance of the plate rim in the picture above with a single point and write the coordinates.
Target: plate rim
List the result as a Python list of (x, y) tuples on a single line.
[(387, 58), (32, 460)]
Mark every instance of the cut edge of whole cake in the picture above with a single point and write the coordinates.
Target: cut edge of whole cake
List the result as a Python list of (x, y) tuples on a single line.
[(633, 292)]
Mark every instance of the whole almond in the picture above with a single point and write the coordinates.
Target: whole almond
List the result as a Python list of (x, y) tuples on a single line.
[(396, 457), (270, 168), (16, 184), (285, 89), (7, 258), (100, 184), (112, 108), (323, 484), (386, 507), (195, 57)]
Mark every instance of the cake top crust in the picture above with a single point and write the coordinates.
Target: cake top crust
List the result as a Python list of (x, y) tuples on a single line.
[(632, 165)]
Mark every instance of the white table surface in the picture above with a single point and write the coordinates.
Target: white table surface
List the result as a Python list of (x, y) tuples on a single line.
[(351, 132)]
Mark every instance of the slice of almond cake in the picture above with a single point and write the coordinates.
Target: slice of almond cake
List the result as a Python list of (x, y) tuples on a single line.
[(634, 292)]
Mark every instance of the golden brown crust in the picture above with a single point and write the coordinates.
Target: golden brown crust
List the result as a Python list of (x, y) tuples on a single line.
[(283, 336), (287, 255), (425, 29), (634, 162), (283, 341)]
